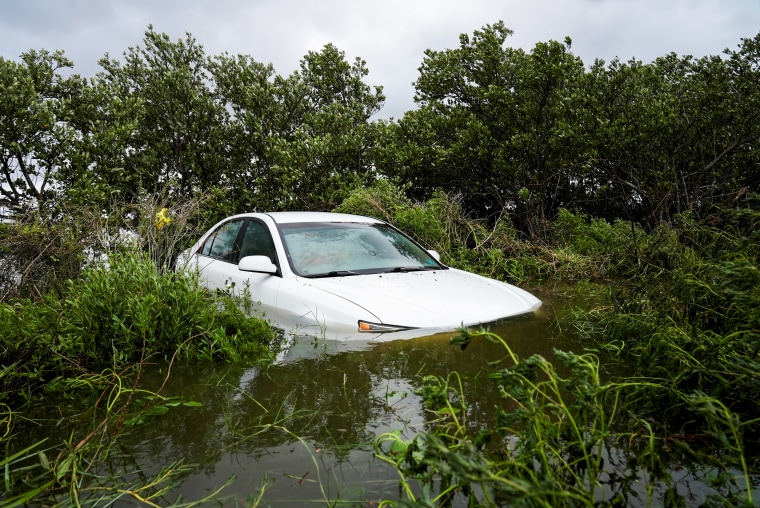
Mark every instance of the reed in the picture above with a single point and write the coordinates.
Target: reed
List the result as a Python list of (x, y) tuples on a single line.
[(558, 440), (72, 472)]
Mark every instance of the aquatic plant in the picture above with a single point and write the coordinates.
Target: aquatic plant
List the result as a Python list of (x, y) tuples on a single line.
[(558, 440), (72, 472)]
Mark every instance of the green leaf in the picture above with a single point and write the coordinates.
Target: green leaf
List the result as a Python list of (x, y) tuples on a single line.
[(64, 467), (44, 462)]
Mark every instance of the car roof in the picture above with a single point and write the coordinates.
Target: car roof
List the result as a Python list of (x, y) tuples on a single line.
[(292, 217)]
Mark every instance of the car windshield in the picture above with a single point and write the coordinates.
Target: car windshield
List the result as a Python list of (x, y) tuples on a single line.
[(331, 249)]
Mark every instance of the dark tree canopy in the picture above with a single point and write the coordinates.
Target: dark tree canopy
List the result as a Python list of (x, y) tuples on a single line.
[(532, 132), (515, 132)]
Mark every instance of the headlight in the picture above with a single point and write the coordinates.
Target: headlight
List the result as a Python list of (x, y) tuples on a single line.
[(366, 326)]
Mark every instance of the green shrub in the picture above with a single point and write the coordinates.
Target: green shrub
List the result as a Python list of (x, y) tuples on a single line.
[(119, 314), (687, 310), (475, 245), (590, 236), (381, 200)]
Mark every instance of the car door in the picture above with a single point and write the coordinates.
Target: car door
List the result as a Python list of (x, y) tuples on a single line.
[(261, 288), (218, 261), (218, 255)]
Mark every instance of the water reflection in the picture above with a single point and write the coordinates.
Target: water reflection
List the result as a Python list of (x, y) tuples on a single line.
[(305, 426), (303, 429)]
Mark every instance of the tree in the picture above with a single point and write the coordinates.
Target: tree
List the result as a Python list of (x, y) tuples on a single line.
[(263, 109), (328, 151), (36, 134), (530, 133), (180, 145), (498, 119), (467, 113), (666, 137), (108, 127), (297, 142)]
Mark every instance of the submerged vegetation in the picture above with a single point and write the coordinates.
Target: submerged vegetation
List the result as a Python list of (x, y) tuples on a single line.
[(564, 440)]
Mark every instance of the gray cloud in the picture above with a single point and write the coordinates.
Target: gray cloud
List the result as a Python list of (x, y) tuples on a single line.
[(391, 35)]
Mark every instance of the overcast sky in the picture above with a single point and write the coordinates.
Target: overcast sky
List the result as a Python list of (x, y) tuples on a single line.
[(390, 35)]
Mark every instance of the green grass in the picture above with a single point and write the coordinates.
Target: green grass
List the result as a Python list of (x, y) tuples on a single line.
[(559, 440), (118, 315)]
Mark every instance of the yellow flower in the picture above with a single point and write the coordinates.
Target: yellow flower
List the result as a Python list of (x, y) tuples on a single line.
[(162, 219)]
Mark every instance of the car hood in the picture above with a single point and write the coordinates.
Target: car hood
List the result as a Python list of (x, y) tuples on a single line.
[(430, 299)]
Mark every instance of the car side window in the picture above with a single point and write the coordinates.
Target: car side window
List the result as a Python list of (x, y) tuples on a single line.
[(257, 241), (222, 243)]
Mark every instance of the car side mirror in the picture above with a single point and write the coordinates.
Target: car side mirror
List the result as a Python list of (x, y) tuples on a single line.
[(257, 264), (435, 255)]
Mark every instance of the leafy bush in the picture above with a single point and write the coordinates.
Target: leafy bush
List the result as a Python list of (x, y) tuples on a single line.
[(688, 311), (475, 245), (382, 201), (592, 236), (118, 314)]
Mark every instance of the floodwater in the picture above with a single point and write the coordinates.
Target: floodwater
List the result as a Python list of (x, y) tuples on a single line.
[(301, 432)]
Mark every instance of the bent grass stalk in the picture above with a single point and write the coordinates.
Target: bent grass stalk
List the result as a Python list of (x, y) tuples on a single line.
[(555, 432), (280, 418), (723, 425), (46, 476)]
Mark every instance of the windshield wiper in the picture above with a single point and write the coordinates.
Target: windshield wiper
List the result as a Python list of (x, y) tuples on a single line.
[(400, 269), (334, 273)]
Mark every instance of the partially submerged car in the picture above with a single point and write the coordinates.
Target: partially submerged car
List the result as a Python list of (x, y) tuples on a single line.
[(340, 276)]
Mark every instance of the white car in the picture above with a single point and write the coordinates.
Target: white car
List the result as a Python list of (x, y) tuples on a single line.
[(340, 276)]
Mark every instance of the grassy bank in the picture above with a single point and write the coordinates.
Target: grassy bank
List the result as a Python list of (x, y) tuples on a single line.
[(92, 341)]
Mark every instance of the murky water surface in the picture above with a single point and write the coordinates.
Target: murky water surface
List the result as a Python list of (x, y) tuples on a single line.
[(302, 430)]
